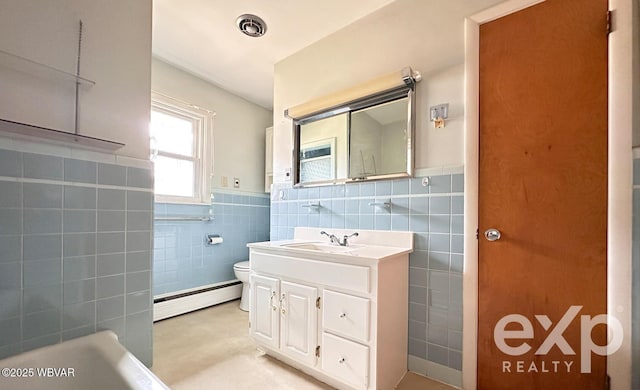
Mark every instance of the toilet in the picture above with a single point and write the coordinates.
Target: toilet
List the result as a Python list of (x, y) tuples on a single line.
[(241, 270)]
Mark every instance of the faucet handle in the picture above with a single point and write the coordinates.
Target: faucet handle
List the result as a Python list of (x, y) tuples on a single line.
[(346, 238)]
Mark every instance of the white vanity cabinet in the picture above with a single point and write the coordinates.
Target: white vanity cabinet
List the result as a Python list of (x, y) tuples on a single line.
[(340, 317), (285, 317)]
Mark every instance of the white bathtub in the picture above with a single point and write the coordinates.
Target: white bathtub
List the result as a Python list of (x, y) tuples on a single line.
[(94, 362)]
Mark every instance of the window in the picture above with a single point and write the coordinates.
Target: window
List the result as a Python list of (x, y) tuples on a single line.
[(180, 146), (318, 160)]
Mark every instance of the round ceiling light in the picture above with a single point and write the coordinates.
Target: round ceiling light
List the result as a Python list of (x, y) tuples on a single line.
[(251, 25)]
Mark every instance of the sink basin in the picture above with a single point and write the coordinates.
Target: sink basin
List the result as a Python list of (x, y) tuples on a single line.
[(321, 247)]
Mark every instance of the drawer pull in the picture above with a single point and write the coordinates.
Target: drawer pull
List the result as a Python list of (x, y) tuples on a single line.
[(341, 361), (343, 315)]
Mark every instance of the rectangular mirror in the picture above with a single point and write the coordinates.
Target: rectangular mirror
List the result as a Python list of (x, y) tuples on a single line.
[(366, 139)]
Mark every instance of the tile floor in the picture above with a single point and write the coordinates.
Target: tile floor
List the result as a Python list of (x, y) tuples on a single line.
[(211, 349)]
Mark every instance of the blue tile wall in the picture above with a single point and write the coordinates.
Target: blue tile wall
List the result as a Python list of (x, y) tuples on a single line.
[(434, 213), (636, 277), (181, 257), (68, 267)]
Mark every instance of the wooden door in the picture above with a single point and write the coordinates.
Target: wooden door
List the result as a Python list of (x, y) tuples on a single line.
[(543, 185), (299, 324), (264, 312)]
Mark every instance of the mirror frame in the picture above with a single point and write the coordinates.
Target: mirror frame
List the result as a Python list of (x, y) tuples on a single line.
[(404, 91)]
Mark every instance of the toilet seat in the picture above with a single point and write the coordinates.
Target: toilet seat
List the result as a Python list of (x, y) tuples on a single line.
[(241, 265)]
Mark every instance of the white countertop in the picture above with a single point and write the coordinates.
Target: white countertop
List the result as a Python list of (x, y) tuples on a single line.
[(354, 251)]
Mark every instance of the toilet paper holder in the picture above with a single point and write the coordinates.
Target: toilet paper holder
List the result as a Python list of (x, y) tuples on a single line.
[(214, 239)]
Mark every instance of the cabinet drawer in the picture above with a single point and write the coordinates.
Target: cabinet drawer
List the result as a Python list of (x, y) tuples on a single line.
[(345, 360), (346, 314)]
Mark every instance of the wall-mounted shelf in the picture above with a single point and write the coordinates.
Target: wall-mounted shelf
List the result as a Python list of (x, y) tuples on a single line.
[(26, 65), (47, 72), (57, 136)]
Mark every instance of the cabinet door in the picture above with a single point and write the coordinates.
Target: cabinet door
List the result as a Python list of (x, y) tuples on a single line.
[(263, 311), (299, 325)]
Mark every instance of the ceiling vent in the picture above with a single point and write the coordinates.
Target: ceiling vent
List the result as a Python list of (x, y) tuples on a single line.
[(251, 25)]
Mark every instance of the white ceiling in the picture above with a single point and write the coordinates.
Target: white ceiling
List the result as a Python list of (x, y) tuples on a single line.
[(201, 37)]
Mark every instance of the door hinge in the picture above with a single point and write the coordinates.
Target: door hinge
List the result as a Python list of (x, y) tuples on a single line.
[(477, 234), (249, 324), (318, 302), (609, 23), (317, 351)]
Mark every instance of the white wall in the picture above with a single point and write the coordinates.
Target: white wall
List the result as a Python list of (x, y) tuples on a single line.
[(116, 54), (426, 35), (238, 127)]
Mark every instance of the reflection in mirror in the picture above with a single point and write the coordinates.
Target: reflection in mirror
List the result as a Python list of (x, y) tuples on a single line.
[(378, 140), (323, 149)]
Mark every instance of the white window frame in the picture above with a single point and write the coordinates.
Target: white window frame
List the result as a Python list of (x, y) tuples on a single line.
[(331, 142), (203, 147)]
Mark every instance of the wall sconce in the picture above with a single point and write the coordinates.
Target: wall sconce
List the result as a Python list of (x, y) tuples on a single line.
[(437, 114)]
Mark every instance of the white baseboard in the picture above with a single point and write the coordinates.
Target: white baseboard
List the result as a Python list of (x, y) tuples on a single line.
[(174, 307), (435, 371)]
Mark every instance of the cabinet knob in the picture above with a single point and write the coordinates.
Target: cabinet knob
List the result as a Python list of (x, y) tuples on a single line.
[(343, 315), (283, 311), (341, 361)]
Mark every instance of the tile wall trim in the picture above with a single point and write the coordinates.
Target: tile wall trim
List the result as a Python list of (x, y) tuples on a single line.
[(377, 197), (437, 171), (74, 184), (241, 205), (419, 172), (242, 193)]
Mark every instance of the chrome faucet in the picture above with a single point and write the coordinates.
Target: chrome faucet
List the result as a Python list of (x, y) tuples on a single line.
[(336, 241)]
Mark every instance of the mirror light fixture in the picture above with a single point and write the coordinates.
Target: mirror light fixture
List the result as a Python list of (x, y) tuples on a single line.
[(404, 78)]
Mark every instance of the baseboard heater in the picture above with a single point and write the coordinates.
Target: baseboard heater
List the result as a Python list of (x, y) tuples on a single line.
[(185, 301)]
